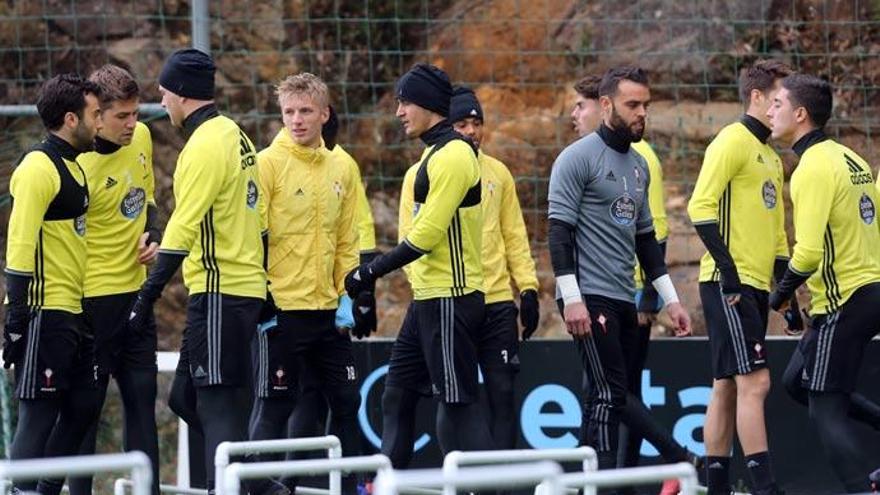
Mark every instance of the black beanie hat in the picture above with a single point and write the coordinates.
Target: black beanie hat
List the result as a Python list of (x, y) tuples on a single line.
[(189, 73), (426, 86), (464, 104), (330, 129)]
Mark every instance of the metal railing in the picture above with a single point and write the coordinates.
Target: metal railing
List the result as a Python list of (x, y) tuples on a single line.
[(544, 474), (330, 443), (121, 484), (137, 463), (236, 472), (457, 458), (683, 471)]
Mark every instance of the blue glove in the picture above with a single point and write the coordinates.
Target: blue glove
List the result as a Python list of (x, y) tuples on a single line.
[(268, 324), (344, 318)]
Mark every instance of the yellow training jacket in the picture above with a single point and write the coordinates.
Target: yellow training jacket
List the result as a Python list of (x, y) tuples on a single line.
[(52, 252), (363, 215), (121, 187), (216, 219), (740, 189), (656, 199), (837, 241), (448, 231), (311, 198)]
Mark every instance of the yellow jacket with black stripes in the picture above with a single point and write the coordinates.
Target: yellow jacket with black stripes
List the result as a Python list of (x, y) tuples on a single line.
[(121, 188), (363, 214), (740, 188), (656, 199), (50, 251), (837, 241), (216, 220), (311, 198), (443, 219)]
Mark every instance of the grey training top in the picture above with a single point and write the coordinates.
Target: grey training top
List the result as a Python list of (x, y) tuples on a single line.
[(604, 194)]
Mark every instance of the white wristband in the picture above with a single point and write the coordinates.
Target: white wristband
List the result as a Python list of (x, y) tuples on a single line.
[(568, 289), (664, 287)]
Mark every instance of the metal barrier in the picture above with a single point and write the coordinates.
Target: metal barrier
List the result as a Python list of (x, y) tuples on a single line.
[(330, 443), (685, 472), (31, 469), (545, 474), (457, 458), (121, 484), (236, 472)]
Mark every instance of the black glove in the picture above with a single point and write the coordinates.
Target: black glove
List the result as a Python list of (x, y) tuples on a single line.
[(730, 284), (794, 322), (361, 279), (140, 310), (364, 312), (648, 301), (269, 310), (529, 312), (15, 333)]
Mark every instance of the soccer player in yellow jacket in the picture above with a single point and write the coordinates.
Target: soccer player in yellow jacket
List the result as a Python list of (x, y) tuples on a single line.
[(737, 209), (837, 253), (586, 117), (44, 338), (443, 250), (311, 198), (506, 255), (123, 236), (215, 233)]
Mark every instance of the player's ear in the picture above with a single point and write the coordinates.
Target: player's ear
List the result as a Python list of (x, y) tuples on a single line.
[(605, 104), (801, 115)]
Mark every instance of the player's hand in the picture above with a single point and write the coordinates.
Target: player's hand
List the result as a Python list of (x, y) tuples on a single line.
[(364, 312), (15, 334), (577, 320), (777, 302), (359, 280), (344, 318), (731, 288), (137, 318), (147, 251), (646, 318), (529, 312), (681, 320)]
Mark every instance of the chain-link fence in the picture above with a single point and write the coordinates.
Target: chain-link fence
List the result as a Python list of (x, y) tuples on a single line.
[(521, 58)]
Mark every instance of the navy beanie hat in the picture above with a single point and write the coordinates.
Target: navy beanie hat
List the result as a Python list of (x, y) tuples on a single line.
[(464, 104), (428, 87), (330, 129), (189, 73)]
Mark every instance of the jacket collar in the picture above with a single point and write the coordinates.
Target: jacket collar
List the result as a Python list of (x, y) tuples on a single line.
[(199, 117), (815, 136), (756, 127), (65, 149), (283, 140)]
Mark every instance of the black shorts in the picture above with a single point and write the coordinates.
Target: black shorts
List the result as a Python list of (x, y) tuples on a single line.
[(833, 349), (218, 334), (106, 318), (438, 338), (304, 344), (736, 333), (498, 339), (59, 356)]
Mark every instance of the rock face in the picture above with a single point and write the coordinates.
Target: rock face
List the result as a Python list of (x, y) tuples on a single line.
[(520, 57)]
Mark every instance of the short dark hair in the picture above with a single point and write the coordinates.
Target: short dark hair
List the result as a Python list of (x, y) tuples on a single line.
[(117, 84), (611, 79), (588, 87), (61, 94), (761, 76), (812, 93)]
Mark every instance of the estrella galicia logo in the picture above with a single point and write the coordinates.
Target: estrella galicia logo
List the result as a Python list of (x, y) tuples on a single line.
[(769, 193), (866, 209), (252, 194), (623, 210), (133, 203), (79, 225)]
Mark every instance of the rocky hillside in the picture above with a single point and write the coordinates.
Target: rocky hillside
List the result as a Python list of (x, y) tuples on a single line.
[(521, 58)]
